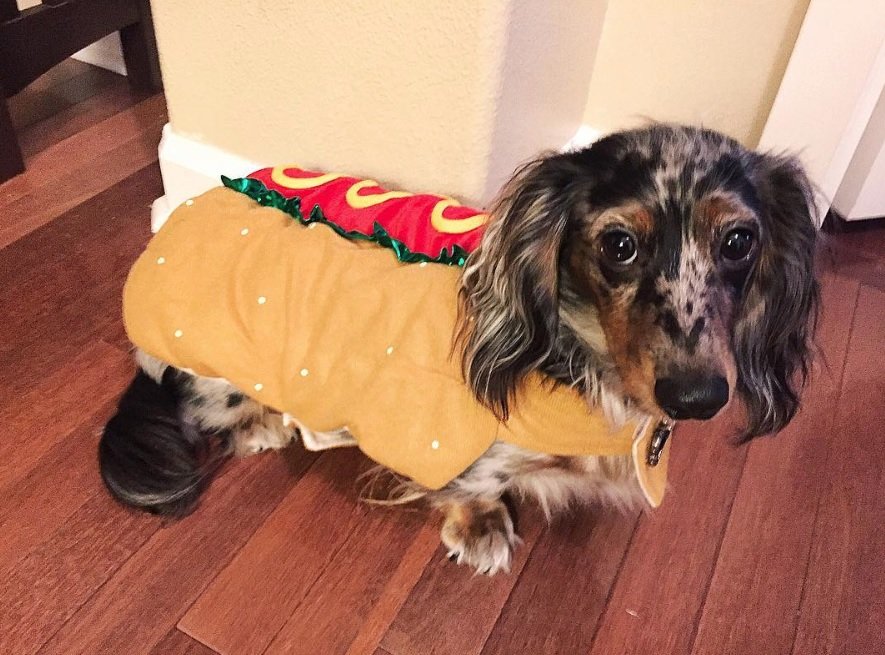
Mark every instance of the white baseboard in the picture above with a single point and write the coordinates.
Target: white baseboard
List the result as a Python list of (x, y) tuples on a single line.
[(190, 168), (105, 53)]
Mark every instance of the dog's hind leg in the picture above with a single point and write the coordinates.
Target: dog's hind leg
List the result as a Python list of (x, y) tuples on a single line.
[(173, 430), (217, 407), (267, 432), (319, 441)]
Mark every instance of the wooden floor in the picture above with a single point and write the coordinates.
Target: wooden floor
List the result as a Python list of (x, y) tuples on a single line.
[(774, 548)]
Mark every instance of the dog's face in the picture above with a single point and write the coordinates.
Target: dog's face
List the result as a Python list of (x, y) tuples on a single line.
[(663, 263), (664, 284), (670, 264)]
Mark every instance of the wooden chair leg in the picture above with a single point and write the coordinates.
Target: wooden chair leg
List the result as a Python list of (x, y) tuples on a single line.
[(11, 162), (140, 51)]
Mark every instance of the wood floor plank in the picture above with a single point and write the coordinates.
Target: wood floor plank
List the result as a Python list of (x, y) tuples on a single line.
[(37, 208), (754, 595), (280, 564), (274, 563), (561, 594), (135, 609), (662, 583), (72, 97), (451, 609), (62, 536), (32, 506), (843, 605), (115, 97), (366, 572), (83, 148), (36, 105), (63, 282), (378, 619), (178, 643), (857, 252), (43, 590), (34, 422), (78, 168), (58, 74)]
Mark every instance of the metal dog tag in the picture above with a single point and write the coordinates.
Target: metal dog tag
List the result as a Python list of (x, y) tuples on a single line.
[(662, 432)]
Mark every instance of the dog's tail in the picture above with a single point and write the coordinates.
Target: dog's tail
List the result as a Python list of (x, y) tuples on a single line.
[(150, 457)]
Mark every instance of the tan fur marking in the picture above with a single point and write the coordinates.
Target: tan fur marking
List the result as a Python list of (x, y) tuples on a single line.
[(568, 464), (634, 216), (641, 221), (628, 343), (716, 210)]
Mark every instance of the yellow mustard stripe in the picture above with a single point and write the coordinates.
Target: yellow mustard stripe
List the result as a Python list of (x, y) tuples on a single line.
[(357, 201), (451, 225), (279, 176)]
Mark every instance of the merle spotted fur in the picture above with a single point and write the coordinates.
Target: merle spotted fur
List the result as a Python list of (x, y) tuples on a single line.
[(665, 269)]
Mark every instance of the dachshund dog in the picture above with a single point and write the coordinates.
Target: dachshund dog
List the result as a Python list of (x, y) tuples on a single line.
[(661, 270)]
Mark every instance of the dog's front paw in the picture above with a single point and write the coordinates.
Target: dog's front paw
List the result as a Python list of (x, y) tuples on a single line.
[(480, 534)]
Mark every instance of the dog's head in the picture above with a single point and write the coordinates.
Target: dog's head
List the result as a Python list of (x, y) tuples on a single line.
[(668, 266)]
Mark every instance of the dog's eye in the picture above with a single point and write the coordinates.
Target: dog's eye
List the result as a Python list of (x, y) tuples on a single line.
[(618, 247), (737, 244)]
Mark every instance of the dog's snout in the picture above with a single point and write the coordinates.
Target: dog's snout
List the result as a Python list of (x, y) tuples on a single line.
[(692, 395)]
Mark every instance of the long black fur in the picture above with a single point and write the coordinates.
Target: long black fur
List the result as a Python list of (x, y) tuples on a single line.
[(155, 455), (779, 313), (149, 456), (514, 284), (534, 211)]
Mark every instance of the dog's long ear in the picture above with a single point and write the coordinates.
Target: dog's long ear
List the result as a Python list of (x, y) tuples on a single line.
[(509, 306), (779, 309)]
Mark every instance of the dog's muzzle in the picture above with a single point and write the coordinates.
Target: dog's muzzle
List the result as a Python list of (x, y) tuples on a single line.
[(692, 395)]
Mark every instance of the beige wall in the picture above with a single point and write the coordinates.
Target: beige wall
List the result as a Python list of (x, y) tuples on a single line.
[(713, 62), (443, 95), (450, 95)]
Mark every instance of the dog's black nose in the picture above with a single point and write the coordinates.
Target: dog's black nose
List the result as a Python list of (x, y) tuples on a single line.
[(692, 395)]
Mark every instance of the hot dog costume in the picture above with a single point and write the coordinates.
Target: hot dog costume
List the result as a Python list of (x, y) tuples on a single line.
[(330, 299)]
